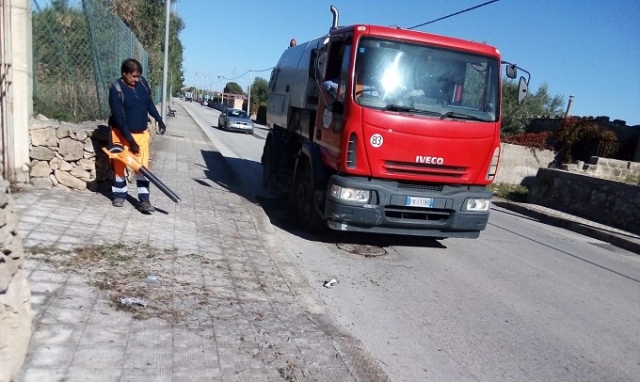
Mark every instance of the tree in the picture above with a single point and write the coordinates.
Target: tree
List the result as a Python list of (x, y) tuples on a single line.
[(516, 118), (259, 91), (146, 18), (233, 88), (61, 50)]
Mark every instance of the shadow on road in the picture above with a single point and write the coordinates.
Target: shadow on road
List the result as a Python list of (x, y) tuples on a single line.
[(220, 171)]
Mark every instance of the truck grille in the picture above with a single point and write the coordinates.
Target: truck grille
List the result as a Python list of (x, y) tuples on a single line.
[(421, 169), (420, 187), (415, 214)]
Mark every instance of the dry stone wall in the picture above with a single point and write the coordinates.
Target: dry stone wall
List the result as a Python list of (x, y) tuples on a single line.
[(606, 168), (604, 201), (68, 156), (15, 308)]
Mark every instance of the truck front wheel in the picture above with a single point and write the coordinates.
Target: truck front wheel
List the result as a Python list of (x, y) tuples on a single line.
[(305, 202)]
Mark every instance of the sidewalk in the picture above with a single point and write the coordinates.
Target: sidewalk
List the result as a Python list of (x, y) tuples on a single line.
[(617, 237), (223, 304)]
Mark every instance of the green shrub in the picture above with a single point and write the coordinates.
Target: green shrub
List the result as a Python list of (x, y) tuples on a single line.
[(513, 192), (578, 139)]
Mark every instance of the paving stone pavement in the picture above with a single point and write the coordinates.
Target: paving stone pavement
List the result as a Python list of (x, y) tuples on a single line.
[(261, 320)]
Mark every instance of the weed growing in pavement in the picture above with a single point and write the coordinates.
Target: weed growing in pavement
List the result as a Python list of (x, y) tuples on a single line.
[(288, 372), (121, 271)]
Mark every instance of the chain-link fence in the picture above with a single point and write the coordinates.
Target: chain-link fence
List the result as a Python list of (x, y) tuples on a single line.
[(78, 47)]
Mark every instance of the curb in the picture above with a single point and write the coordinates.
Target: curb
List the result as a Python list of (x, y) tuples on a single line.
[(596, 233)]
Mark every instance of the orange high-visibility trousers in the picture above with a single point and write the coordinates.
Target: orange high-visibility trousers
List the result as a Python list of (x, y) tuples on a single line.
[(119, 187)]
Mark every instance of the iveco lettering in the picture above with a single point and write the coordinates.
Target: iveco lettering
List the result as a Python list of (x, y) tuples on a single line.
[(429, 160)]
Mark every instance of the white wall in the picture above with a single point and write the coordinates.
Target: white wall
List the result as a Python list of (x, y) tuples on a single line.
[(519, 164)]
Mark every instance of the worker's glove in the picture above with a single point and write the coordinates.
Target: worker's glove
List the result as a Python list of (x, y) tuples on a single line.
[(134, 147), (162, 128)]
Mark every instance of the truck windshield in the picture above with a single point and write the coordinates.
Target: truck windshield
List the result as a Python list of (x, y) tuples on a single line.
[(421, 79)]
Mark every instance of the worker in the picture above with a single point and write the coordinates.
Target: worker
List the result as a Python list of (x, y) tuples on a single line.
[(131, 102)]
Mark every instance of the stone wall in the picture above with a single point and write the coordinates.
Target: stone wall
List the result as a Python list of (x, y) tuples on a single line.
[(606, 168), (519, 164), (15, 308), (604, 201), (68, 156)]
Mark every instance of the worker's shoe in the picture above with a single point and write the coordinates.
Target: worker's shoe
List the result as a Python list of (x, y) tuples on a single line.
[(146, 208), (117, 202)]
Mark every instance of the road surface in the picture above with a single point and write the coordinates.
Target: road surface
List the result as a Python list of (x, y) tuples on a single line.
[(524, 302)]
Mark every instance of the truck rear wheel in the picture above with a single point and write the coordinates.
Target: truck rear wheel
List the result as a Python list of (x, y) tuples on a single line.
[(305, 202), (268, 165)]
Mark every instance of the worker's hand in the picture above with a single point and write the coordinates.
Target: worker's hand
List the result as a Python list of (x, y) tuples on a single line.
[(134, 147), (162, 128)]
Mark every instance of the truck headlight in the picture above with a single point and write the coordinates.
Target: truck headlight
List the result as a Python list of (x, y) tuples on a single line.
[(350, 194), (478, 204)]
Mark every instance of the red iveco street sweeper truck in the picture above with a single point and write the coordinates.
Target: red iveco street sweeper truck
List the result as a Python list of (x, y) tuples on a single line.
[(386, 130)]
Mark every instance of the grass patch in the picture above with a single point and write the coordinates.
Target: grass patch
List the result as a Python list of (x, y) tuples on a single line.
[(512, 192)]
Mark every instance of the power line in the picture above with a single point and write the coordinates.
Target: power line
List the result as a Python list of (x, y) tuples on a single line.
[(247, 72), (454, 14)]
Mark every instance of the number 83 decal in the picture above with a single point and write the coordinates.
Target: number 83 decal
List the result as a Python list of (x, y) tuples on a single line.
[(376, 140)]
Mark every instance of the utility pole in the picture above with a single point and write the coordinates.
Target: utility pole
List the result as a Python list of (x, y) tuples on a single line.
[(165, 70), (249, 97), (222, 78)]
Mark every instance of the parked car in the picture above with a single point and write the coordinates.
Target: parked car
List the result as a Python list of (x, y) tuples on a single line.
[(235, 120)]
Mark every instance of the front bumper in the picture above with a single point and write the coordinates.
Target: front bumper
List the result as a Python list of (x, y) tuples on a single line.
[(387, 212), (239, 126)]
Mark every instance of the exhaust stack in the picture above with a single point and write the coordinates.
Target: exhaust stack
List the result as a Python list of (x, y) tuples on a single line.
[(334, 11)]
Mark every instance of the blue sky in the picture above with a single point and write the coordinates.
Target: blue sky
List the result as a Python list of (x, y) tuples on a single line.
[(586, 48)]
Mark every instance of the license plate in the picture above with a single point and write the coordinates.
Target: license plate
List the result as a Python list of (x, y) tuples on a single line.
[(418, 202)]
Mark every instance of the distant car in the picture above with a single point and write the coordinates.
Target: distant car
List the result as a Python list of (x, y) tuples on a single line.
[(235, 120), (181, 98)]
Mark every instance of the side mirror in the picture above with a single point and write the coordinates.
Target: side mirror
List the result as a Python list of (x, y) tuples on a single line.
[(523, 89), (511, 70)]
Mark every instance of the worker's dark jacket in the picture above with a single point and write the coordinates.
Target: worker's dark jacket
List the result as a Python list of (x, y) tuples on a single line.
[(130, 115)]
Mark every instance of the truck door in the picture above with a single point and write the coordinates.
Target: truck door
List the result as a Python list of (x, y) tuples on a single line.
[(329, 118)]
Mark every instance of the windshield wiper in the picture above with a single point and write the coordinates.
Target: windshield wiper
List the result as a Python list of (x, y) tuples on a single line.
[(453, 114), (393, 107)]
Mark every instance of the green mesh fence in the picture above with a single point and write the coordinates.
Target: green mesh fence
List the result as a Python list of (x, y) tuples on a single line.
[(78, 47)]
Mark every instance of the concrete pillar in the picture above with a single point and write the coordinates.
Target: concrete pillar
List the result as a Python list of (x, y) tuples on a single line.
[(20, 90)]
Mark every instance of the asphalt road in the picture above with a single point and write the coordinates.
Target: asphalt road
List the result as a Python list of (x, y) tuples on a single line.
[(524, 302)]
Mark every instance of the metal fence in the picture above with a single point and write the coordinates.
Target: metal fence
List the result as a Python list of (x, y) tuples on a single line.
[(78, 47)]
